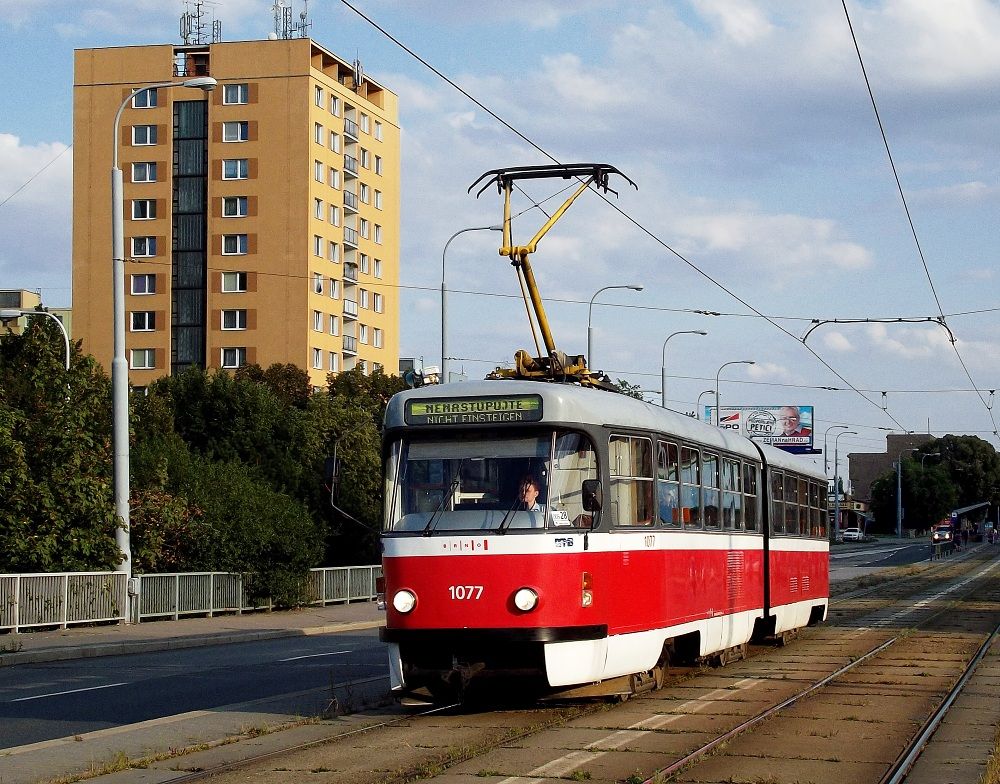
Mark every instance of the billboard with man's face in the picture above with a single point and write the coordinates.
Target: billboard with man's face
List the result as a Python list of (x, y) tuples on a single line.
[(787, 427)]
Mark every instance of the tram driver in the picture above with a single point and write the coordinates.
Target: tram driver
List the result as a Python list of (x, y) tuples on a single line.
[(527, 494)]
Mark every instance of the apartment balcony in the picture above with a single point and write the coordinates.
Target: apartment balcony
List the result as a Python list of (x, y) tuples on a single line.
[(350, 237), (350, 310), (350, 129), (350, 166), (350, 202), (350, 273), (350, 345)]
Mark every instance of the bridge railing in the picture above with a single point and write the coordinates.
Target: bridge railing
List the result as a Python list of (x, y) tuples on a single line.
[(58, 600)]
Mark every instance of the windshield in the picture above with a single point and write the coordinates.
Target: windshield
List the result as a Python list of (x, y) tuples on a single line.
[(493, 481)]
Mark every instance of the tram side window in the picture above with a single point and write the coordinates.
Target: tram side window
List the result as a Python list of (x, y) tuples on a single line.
[(824, 514), (751, 505), (631, 467), (816, 527), (668, 486), (777, 502), (791, 505), (732, 498), (710, 491), (690, 488), (804, 507), (575, 461)]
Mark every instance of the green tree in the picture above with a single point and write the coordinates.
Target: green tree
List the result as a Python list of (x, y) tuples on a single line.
[(632, 390), (928, 496)]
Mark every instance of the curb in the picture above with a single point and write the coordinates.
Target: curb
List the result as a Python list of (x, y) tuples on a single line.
[(126, 647)]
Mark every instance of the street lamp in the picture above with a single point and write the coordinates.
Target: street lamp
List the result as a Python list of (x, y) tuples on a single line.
[(697, 405), (663, 362), (929, 454), (826, 468), (119, 366), (9, 314), (727, 364), (836, 481), (444, 306), (590, 310), (899, 493)]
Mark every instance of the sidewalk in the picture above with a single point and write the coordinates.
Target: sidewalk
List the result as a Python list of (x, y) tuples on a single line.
[(110, 640)]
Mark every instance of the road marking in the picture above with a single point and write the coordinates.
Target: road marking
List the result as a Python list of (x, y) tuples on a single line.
[(314, 655), (70, 691)]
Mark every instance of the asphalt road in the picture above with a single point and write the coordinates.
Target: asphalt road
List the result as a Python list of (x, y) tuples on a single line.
[(62, 699)]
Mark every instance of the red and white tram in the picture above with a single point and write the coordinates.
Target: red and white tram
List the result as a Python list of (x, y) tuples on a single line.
[(654, 538)]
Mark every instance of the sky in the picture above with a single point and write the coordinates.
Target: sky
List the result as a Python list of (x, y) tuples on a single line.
[(764, 186)]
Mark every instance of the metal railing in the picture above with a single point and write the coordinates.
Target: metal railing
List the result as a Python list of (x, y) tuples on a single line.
[(350, 344), (351, 200), (351, 128), (350, 236), (351, 165), (30, 601)]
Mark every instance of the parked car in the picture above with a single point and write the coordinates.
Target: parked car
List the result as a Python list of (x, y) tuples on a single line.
[(852, 535), (942, 534)]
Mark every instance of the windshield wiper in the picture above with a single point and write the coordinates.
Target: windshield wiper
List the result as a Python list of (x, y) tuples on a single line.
[(429, 528), (502, 528)]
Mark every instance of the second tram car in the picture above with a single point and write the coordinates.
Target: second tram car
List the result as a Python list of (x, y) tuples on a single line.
[(653, 538)]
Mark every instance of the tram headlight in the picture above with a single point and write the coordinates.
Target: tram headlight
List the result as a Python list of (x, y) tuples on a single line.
[(525, 599), (404, 601)]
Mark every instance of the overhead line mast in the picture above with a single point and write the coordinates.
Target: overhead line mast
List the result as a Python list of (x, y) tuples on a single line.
[(555, 365)]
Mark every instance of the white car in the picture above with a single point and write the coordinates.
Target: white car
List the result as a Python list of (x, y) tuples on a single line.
[(852, 535)]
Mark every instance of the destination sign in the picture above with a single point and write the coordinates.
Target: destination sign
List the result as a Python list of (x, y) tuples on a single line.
[(502, 409)]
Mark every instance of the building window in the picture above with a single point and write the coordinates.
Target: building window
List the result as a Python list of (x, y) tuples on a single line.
[(364, 263), (143, 246), (378, 268), (143, 135), (143, 359), (234, 357), (334, 288), (317, 321), (377, 337), (317, 359), (363, 334), (364, 193), (234, 206), (378, 130), (235, 93), (318, 170), (334, 325), (363, 230), (334, 215), (334, 178), (234, 319), (378, 234), (147, 99), (317, 283), (234, 244), (318, 208), (378, 303), (144, 172), (366, 159), (144, 284), (318, 133), (237, 131), (334, 142), (233, 282), (365, 123), (143, 320), (333, 251), (318, 95), (143, 209), (378, 164), (317, 245), (235, 168), (334, 364), (378, 200), (335, 105), (363, 366), (363, 298)]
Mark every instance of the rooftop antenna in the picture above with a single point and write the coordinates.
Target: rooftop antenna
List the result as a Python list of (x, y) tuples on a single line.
[(304, 24), (359, 75), (193, 25), (284, 27)]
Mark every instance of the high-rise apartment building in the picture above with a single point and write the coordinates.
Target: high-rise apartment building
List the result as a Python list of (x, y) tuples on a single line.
[(261, 219)]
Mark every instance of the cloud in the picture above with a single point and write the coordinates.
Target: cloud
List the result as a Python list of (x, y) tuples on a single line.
[(960, 194), (907, 342), (740, 20), (837, 341)]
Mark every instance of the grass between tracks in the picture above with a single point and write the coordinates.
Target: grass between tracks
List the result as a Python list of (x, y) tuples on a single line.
[(992, 773)]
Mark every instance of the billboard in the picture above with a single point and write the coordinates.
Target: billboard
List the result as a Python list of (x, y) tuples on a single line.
[(786, 427)]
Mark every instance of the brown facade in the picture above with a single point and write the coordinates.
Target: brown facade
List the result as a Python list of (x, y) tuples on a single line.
[(866, 467), (250, 219)]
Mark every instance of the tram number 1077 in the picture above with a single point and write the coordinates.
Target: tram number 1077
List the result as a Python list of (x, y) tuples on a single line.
[(469, 592)]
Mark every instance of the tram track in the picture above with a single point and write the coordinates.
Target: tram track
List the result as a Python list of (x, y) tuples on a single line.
[(736, 710)]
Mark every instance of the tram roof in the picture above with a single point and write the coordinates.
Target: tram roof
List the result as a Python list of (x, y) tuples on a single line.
[(570, 403)]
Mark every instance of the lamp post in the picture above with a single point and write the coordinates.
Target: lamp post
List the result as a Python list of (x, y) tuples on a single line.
[(663, 362), (826, 467), (119, 365), (727, 364), (836, 481), (929, 454), (899, 493), (590, 310), (697, 405), (444, 298), (8, 314)]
